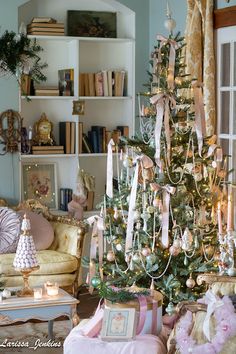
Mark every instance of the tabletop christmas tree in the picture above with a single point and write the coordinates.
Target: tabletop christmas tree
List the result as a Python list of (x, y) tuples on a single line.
[(159, 229)]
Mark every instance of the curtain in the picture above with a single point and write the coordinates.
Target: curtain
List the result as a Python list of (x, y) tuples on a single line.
[(200, 59)]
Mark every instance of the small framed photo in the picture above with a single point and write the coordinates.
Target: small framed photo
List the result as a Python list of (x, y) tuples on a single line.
[(119, 324), (78, 107), (39, 182)]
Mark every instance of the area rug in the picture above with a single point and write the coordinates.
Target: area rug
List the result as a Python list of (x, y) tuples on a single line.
[(33, 338)]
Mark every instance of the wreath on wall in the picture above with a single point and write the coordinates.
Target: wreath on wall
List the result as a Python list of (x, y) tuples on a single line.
[(19, 55)]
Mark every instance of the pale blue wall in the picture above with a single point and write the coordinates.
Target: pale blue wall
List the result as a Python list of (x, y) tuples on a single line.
[(221, 3), (157, 10)]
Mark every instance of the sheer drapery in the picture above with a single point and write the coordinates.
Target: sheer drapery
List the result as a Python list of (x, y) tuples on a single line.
[(200, 59)]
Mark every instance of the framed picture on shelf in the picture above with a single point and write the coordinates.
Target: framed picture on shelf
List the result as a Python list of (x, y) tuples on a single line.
[(119, 324), (91, 24), (39, 182)]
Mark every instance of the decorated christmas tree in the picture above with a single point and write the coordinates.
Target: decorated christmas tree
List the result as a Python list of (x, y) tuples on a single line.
[(159, 228)]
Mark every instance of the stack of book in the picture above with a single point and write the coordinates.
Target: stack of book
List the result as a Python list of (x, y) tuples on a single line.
[(103, 83), (45, 26), (46, 91), (67, 136), (98, 137), (47, 150)]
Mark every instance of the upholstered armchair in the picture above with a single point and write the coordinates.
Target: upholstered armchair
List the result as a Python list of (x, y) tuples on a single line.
[(60, 262)]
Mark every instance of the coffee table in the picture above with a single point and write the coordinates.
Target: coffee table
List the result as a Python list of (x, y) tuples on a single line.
[(48, 308)]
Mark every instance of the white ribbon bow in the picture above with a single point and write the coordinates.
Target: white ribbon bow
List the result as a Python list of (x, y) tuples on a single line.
[(213, 302)]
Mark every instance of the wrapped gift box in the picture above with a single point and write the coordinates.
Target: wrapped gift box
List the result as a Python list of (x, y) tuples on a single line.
[(156, 300)]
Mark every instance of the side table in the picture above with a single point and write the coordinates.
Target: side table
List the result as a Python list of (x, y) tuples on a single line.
[(47, 308)]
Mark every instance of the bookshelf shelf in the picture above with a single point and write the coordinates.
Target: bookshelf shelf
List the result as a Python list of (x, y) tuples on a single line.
[(31, 156), (63, 98), (86, 55), (106, 98)]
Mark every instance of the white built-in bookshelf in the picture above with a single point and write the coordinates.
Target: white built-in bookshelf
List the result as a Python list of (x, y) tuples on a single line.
[(83, 54)]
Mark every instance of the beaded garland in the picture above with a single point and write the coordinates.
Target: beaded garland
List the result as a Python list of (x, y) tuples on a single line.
[(225, 328)]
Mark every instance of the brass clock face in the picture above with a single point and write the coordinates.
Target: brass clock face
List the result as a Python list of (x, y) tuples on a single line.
[(43, 131)]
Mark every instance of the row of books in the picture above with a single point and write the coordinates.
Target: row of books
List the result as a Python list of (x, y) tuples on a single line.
[(65, 198), (39, 26), (46, 91), (102, 83), (67, 136), (97, 139)]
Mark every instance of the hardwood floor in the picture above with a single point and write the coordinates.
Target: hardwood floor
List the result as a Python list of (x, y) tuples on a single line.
[(88, 303)]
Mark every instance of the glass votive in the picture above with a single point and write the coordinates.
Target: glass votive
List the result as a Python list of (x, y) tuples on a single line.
[(38, 293), (53, 290)]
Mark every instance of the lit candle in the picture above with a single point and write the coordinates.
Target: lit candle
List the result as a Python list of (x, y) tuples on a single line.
[(219, 218), (229, 213), (38, 293), (53, 290)]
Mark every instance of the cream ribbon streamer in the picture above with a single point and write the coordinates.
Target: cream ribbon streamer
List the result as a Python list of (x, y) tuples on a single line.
[(163, 104), (171, 69), (213, 302), (131, 212), (109, 187), (200, 121), (167, 190), (96, 241)]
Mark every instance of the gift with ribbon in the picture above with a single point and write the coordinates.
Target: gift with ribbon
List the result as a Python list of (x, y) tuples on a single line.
[(148, 308)]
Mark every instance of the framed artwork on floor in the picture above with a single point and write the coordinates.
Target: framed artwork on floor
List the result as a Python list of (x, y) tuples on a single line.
[(119, 324), (39, 182)]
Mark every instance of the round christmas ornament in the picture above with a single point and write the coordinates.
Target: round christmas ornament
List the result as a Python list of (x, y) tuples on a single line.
[(190, 282), (174, 251), (118, 247), (146, 251), (110, 256), (95, 282)]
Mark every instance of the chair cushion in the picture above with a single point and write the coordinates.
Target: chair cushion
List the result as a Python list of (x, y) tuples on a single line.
[(41, 229), (9, 230), (50, 262)]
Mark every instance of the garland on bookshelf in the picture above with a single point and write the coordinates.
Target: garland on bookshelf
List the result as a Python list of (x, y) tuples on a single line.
[(98, 137), (103, 83)]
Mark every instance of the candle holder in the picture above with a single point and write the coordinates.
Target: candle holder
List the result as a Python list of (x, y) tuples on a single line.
[(38, 293), (52, 289), (25, 260)]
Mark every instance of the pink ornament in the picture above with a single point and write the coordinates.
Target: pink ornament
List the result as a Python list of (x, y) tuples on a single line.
[(174, 251), (146, 251), (110, 256)]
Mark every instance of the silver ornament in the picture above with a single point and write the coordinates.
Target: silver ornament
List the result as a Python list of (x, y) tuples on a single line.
[(190, 283)]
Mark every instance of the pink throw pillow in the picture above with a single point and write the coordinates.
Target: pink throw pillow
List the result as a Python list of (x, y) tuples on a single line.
[(9, 230), (41, 229)]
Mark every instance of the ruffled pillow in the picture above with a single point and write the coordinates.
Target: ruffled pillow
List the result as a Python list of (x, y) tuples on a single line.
[(9, 230)]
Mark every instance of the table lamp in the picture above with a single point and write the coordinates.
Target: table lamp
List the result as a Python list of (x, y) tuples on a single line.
[(25, 259)]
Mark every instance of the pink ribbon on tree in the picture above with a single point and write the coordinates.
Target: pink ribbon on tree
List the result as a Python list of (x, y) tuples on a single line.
[(130, 221), (109, 187), (200, 122), (163, 104), (96, 241), (171, 70)]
